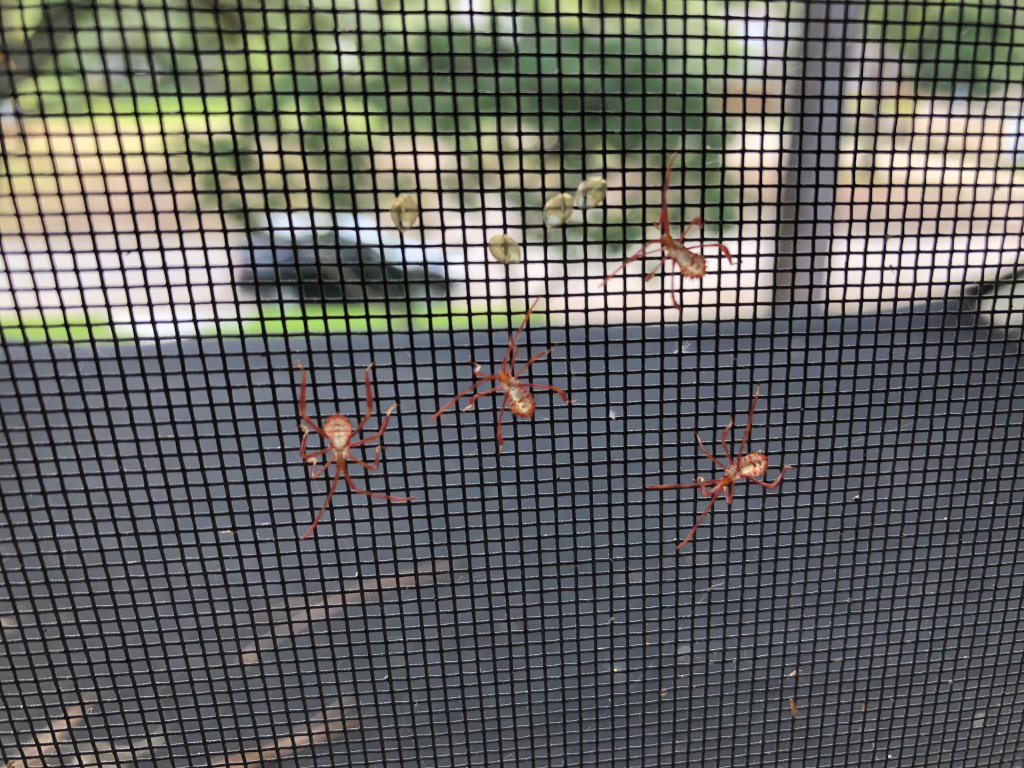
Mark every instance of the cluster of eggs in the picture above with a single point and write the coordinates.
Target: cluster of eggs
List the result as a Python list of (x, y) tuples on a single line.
[(590, 193)]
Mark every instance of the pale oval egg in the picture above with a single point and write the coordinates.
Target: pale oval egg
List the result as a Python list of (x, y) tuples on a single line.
[(591, 192), (504, 249), (405, 211), (558, 209)]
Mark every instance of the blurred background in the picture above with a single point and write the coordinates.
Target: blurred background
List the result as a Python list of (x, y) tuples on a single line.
[(196, 195), (203, 164)]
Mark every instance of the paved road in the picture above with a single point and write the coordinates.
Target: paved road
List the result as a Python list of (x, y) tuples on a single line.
[(529, 609)]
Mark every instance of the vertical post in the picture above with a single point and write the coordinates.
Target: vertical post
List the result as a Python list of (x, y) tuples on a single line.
[(822, 68)]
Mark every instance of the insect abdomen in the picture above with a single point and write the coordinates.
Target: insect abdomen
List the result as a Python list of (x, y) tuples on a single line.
[(339, 432), (690, 263), (520, 402), (753, 465)]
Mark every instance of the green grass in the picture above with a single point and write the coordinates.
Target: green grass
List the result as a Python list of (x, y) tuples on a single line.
[(76, 327), (56, 326)]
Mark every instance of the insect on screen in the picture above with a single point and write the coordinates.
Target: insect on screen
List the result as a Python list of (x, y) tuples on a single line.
[(543, 383)]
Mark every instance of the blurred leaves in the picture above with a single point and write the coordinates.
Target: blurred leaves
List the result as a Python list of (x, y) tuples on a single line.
[(957, 47), (282, 104), (287, 104), (569, 81)]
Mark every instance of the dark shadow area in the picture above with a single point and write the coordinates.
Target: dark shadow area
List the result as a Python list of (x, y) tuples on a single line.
[(529, 609)]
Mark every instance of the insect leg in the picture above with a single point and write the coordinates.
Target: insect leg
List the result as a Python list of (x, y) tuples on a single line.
[(663, 223), (458, 397), (693, 531), (775, 482), (312, 457), (369, 403), (725, 437), (387, 497), (706, 451), (533, 360), (379, 433), (364, 492), (513, 342), (750, 420), (638, 255), (560, 392), (497, 429), (472, 401), (720, 246), (323, 509), (679, 288), (369, 467), (673, 486), (697, 222), (302, 403), (657, 267), (316, 474), (302, 446)]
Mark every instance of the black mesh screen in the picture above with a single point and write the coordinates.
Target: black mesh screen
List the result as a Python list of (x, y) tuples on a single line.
[(198, 196)]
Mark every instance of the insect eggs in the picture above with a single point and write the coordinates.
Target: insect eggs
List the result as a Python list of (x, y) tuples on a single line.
[(591, 192), (405, 210), (557, 210), (504, 249)]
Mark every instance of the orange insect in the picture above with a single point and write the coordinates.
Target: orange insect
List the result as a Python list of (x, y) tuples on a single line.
[(339, 434), (518, 397), (749, 466), (691, 261)]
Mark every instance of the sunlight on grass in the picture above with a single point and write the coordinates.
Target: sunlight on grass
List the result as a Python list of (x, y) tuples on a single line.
[(56, 326), (271, 320), (295, 319)]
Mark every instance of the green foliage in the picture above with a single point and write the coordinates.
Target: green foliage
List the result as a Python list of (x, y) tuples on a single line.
[(283, 103), (957, 47), (574, 82)]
